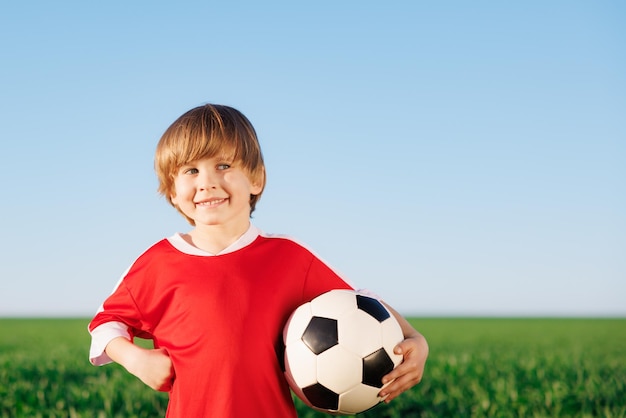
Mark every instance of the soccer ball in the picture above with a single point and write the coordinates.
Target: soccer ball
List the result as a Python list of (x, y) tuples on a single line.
[(337, 349)]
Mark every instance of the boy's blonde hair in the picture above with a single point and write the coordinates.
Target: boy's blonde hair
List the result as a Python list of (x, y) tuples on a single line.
[(204, 132)]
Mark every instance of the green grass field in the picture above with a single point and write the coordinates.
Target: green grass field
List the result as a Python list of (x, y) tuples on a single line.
[(477, 368)]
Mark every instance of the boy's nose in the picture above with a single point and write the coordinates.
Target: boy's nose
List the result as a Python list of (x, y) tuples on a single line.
[(206, 186), (208, 182)]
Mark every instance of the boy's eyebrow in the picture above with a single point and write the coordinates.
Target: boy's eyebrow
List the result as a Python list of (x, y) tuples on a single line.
[(229, 158)]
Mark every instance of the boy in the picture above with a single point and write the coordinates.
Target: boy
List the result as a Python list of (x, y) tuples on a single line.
[(215, 300)]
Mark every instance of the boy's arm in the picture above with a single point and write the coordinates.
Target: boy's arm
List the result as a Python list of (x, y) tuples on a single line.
[(152, 366), (100, 338), (414, 350)]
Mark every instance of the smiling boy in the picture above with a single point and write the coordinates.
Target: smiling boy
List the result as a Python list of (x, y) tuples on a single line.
[(215, 299)]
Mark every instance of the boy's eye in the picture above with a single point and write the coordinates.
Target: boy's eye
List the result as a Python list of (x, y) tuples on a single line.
[(191, 171), (223, 166)]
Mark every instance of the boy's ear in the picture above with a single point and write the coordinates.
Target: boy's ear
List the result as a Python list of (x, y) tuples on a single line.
[(257, 183), (256, 188)]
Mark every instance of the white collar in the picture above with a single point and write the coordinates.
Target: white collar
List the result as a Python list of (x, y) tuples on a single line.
[(183, 246)]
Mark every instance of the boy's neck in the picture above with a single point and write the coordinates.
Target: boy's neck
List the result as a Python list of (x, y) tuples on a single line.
[(214, 239)]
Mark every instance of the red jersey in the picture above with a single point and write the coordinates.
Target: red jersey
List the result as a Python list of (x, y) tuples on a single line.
[(220, 318)]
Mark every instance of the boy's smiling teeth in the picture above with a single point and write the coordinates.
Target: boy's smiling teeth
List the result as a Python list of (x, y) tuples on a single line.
[(212, 202)]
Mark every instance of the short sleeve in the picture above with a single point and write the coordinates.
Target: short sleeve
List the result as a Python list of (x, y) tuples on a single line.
[(100, 338)]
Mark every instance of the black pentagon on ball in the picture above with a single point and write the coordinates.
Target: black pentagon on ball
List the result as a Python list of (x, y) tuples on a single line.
[(321, 334), (375, 366), (321, 397), (372, 307)]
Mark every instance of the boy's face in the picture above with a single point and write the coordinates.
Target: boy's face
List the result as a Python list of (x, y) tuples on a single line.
[(214, 191)]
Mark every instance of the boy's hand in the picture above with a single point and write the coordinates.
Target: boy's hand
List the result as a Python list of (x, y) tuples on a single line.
[(414, 350), (409, 373), (152, 366)]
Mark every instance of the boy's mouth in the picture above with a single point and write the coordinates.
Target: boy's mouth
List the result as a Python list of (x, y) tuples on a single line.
[(211, 202)]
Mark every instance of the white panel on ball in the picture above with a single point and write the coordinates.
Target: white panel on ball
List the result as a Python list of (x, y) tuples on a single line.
[(297, 323), (338, 358), (333, 304), (392, 335), (359, 332), (305, 371), (358, 399)]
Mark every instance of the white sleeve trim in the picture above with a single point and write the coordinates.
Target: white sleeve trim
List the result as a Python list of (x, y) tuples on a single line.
[(101, 336)]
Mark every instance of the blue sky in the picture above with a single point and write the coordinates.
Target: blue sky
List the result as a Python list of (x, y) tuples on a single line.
[(457, 158)]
